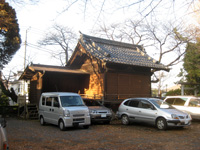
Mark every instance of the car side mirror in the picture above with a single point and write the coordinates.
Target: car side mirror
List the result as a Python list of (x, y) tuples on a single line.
[(153, 108)]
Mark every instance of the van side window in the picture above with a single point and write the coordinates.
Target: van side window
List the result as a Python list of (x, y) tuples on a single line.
[(43, 100), (48, 101), (55, 102)]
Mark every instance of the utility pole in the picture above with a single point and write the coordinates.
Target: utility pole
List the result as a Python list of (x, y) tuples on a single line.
[(24, 91), (25, 44)]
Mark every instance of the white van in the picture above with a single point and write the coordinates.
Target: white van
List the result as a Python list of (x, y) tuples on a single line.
[(63, 109)]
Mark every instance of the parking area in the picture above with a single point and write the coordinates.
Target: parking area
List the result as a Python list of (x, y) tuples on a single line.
[(30, 135)]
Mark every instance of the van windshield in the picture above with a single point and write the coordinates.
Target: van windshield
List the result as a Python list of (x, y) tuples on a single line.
[(67, 101)]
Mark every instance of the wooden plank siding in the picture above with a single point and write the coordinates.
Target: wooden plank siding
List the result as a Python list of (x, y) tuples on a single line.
[(34, 93), (124, 85)]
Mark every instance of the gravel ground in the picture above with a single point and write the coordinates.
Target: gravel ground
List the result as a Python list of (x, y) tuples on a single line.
[(29, 135)]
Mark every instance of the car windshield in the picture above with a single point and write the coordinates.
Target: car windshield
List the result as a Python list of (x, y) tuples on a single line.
[(67, 101), (92, 103), (161, 104)]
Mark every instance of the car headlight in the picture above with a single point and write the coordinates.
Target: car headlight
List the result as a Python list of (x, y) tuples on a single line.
[(93, 111), (188, 116), (66, 113), (109, 111), (174, 116)]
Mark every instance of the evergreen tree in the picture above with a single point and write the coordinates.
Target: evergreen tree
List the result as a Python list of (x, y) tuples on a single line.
[(192, 62), (9, 33)]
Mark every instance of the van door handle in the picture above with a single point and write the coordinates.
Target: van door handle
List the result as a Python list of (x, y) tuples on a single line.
[(52, 110)]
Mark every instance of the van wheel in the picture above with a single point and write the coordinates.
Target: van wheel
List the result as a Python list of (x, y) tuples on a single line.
[(161, 124), (61, 125), (125, 120), (42, 122)]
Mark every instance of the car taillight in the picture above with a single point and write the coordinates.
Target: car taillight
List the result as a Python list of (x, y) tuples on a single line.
[(5, 146)]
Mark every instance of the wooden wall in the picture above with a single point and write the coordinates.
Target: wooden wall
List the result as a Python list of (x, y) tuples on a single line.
[(96, 80), (62, 82), (34, 93), (126, 85), (57, 82)]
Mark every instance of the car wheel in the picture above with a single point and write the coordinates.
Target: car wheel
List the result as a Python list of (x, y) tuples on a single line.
[(61, 125), (161, 124), (42, 122), (86, 126), (125, 120), (106, 122)]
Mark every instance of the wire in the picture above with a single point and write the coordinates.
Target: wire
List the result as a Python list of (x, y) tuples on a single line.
[(36, 47)]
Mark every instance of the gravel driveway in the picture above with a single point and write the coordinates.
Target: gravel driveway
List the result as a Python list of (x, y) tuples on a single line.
[(29, 135)]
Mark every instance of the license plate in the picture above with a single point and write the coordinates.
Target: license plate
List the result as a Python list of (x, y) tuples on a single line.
[(103, 115)]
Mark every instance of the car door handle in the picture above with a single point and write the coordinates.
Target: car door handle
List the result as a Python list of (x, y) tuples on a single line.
[(140, 111)]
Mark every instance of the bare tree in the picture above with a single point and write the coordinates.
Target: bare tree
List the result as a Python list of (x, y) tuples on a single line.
[(158, 40), (60, 36), (22, 2), (146, 8)]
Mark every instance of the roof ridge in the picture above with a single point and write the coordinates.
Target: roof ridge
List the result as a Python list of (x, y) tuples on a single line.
[(111, 42), (47, 66)]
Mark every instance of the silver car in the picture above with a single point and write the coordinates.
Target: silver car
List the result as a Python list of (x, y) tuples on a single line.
[(98, 112), (189, 104), (3, 136), (151, 110)]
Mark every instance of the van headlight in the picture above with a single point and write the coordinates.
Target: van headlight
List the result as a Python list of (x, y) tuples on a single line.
[(66, 113), (88, 113), (174, 116)]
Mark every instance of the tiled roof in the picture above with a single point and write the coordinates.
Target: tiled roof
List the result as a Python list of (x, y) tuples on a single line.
[(118, 52)]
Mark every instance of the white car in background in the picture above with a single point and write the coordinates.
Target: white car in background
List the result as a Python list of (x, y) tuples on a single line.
[(189, 104)]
